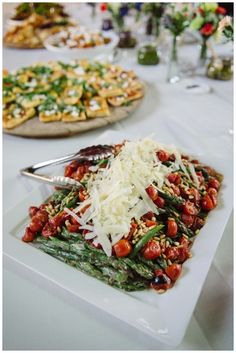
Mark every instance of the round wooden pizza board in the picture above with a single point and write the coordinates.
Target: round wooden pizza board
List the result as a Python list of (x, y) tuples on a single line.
[(36, 129)]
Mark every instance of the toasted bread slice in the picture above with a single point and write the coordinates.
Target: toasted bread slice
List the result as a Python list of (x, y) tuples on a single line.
[(110, 92), (96, 107), (46, 118), (72, 94), (117, 101), (10, 121), (71, 117)]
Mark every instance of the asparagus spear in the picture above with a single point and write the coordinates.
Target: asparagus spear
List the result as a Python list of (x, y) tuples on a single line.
[(149, 235)]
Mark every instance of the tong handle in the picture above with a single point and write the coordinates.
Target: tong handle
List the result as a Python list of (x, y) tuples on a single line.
[(55, 161)]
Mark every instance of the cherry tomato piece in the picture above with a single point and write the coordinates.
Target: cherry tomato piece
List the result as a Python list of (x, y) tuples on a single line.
[(198, 223), (214, 183), (73, 228), (36, 225), (122, 248), (148, 215), (82, 195), (200, 177), (163, 156), (184, 242), (28, 236), (188, 219), (190, 209), (32, 211), (183, 254), (207, 203), (152, 250), (174, 178), (152, 192), (68, 171), (194, 195), (172, 228), (213, 195), (159, 202), (49, 230), (173, 271), (42, 215), (133, 227), (150, 223), (171, 253)]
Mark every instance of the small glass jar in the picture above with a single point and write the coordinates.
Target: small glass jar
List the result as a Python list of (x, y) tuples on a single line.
[(147, 55), (126, 39), (220, 68)]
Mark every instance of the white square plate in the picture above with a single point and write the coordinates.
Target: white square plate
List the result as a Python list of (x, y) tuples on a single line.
[(164, 317)]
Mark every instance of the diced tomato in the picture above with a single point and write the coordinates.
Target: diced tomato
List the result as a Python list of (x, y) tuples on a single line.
[(194, 195), (190, 209), (163, 156), (36, 225), (174, 178), (68, 171), (152, 192), (33, 210), (160, 202), (213, 183), (195, 161), (122, 248), (172, 228), (213, 195), (150, 223), (152, 250), (207, 203), (188, 219), (173, 271), (29, 235)]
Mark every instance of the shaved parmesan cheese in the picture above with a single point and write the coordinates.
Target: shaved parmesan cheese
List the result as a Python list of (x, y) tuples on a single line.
[(71, 213), (194, 175), (117, 194)]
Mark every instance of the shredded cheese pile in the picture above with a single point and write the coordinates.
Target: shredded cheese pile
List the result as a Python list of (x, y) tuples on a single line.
[(118, 192)]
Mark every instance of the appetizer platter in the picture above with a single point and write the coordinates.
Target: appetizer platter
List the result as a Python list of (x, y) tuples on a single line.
[(133, 217), (61, 99), (33, 23), (115, 295)]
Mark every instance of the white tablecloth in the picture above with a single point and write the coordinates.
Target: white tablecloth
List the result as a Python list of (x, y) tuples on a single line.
[(39, 318)]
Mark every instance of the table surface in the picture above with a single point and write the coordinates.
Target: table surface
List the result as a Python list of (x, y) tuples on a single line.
[(37, 318)]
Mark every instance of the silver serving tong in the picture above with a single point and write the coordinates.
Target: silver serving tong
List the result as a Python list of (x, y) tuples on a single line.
[(92, 153)]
